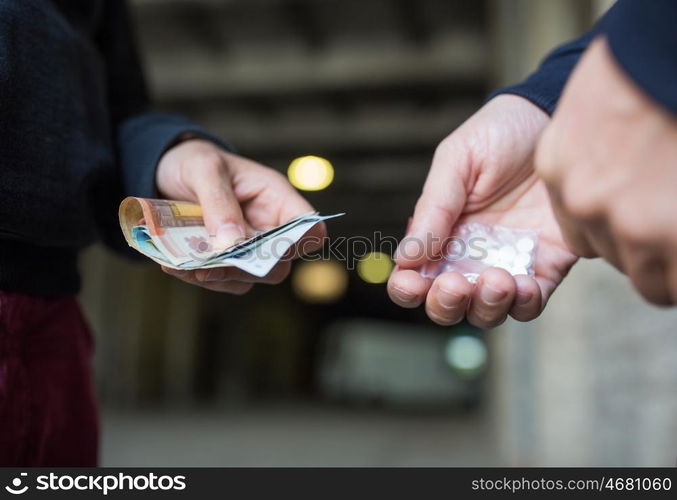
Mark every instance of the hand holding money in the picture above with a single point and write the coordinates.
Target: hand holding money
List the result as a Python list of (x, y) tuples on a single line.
[(173, 234), (238, 197)]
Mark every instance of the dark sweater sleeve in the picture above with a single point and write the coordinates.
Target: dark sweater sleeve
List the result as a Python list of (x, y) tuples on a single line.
[(140, 137), (545, 85), (144, 138), (642, 37)]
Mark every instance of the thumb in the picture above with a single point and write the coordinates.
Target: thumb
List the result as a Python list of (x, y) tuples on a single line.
[(221, 210), (436, 211)]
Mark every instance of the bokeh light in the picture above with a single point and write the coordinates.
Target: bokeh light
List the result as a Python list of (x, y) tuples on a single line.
[(310, 173), (321, 281), (466, 353), (375, 267)]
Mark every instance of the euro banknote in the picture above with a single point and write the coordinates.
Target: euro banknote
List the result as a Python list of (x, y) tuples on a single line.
[(172, 233)]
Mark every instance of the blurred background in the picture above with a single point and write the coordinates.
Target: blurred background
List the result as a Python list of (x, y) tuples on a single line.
[(323, 370)]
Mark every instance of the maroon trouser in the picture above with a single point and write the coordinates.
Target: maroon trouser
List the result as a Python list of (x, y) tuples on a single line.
[(48, 412)]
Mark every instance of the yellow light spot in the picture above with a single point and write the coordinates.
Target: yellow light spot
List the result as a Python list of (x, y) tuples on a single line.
[(320, 281), (375, 267), (310, 173)]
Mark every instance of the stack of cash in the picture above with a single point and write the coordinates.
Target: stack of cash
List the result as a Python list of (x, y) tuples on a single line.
[(172, 233)]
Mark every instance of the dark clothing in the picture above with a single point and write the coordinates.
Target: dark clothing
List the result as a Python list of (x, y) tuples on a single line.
[(75, 137), (48, 414), (545, 85), (643, 39)]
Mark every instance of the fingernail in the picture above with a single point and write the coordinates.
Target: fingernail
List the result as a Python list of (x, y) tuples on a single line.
[(492, 295), (523, 297), (404, 295), (228, 235), (448, 299)]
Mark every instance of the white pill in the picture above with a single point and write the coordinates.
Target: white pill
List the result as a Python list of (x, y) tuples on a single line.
[(525, 244), (507, 253), (491, 258), (456, 250), (505, 265), (518, 270), (471, 277), (522, 260)]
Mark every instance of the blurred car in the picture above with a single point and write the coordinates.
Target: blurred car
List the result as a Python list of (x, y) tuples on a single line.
[(403, 365)]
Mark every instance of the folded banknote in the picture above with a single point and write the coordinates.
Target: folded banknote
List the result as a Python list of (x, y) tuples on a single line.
[(172, 233)]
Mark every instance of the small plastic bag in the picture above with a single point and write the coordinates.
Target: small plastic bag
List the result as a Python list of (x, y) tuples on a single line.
[(475, 247)]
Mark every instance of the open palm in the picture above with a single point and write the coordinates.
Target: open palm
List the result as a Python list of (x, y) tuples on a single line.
[(529, 207), (483, 172)]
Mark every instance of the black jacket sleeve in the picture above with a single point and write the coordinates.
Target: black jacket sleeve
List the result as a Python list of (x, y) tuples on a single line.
[(643, 39)]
